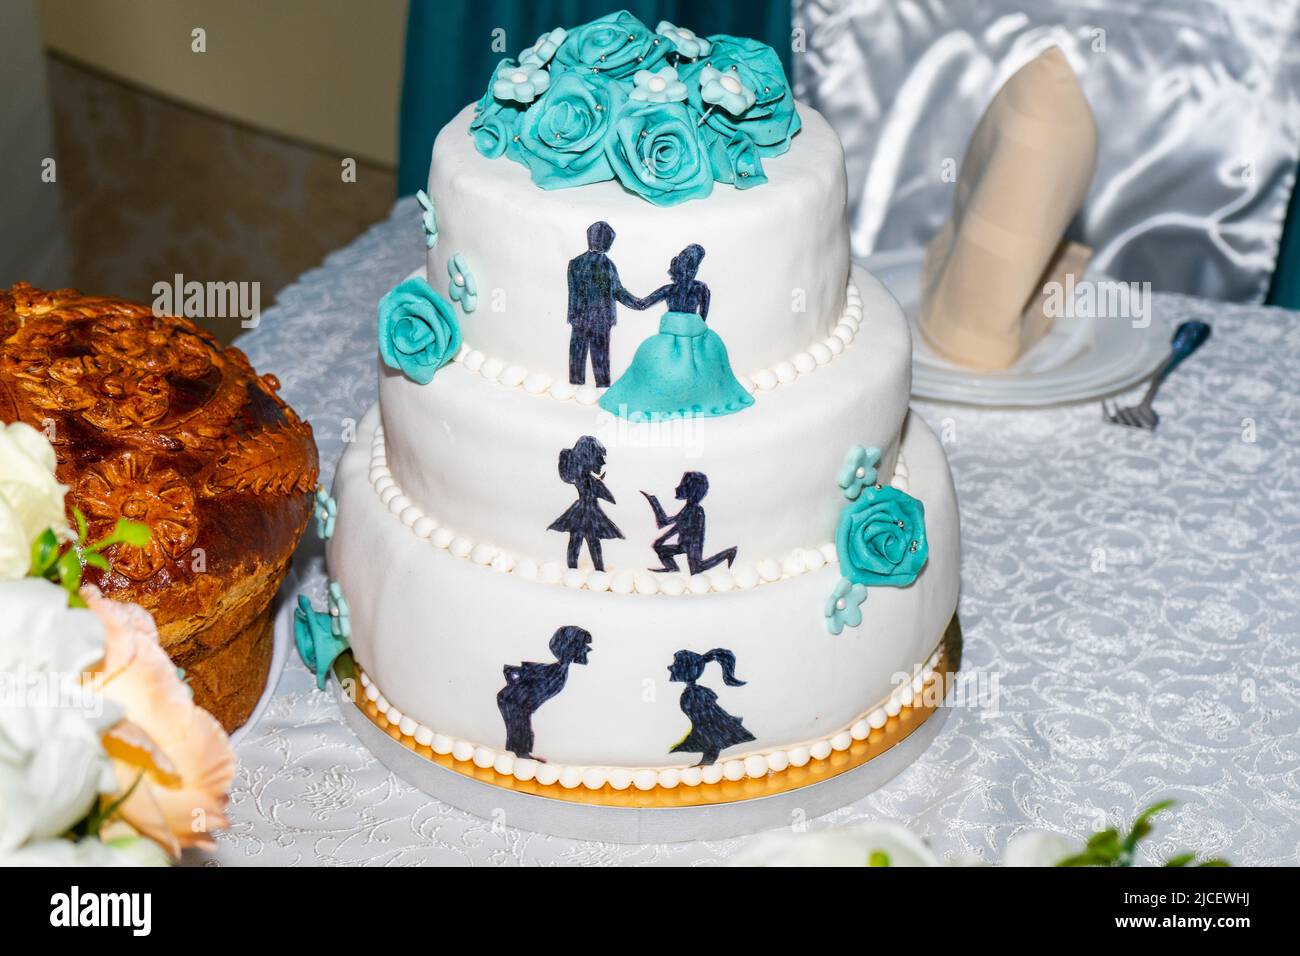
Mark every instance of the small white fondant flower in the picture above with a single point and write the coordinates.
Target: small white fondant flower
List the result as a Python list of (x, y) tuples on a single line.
[(661, 86), (540, 53), (689, 46), (725, 90), (520, 82)]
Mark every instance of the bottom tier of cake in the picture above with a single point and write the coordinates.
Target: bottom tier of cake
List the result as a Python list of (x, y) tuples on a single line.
[(743, 681)]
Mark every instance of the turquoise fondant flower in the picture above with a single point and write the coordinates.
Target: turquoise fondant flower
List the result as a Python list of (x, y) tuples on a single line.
[(325, 511), (725, 90), (661, 86), (340, 614), (658, 151), (562, 136), (859, 471), (519, 82), (321, 636), (616, 46), (772, 119), (881, 538), (493, 126), (687, 43), (540, 53), (463, 287), (429, 218), (844, 606), (418, 330)]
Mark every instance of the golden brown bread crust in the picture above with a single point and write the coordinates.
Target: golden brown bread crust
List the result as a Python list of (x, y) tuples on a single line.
[(153, 421)]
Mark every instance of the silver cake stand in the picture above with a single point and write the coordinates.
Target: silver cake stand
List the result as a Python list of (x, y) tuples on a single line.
[(614, 824)]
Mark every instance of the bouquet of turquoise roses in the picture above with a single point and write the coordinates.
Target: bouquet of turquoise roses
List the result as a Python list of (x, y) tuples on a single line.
[(665, 112)]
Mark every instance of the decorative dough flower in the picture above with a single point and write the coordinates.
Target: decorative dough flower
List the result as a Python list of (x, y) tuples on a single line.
[(687, 43), (844, 606), (540, 53), (176, 750), (725, 90), (428, 219), (661, 86), (519, 82), (881, 538), (418, 330), (562, 137), (658, 152), (31, 499), (52, 764), (128, 486), (859, 471), (463, 288), (616, 46), (772, 120)]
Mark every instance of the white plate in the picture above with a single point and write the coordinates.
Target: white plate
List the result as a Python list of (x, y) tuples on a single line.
[(1082, 357)]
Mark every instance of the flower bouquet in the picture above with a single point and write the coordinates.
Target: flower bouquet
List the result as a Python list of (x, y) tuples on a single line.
[(104, 757)]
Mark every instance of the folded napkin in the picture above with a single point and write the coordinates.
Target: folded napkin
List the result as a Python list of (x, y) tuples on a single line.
[(1025, 175)]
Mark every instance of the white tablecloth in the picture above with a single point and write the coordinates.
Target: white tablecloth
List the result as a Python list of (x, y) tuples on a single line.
[(1135, 596)]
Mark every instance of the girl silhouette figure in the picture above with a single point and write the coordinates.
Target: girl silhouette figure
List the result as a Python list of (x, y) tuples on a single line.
[(684, 370), (685, 534), (583, 466), (529, 685), (713, 730)]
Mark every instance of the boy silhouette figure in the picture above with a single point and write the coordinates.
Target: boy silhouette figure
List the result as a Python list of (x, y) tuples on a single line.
[(594, 287)]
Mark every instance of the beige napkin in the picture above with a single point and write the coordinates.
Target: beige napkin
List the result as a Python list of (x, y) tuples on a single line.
[(1025, 174)]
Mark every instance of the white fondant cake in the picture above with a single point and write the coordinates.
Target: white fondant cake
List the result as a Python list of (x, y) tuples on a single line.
[(705, 588)]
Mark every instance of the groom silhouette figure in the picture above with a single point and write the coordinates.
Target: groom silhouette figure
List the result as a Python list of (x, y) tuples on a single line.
[(594, 287)]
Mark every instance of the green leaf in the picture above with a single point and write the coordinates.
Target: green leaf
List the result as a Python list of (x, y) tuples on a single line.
[(68, 568), (132, 532), (345, 666), (96, 560), (1214, 861), (44, 550), (80, 518), (878, 858), (1182, 859)]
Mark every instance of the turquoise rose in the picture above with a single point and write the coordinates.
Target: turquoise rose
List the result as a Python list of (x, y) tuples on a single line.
[(736, 160), (493, 126), (881, 538), (562, 137), (658, 151), (418, 331), (615, 46), (772, 120)]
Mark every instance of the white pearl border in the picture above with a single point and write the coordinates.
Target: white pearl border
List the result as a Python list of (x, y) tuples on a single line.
[(751, 765), (762, 380), (743, 577)]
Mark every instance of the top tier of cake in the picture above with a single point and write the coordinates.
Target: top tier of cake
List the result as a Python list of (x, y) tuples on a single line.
[(776, 257)]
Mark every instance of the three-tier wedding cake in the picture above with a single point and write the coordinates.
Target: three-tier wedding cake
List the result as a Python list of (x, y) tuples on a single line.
[(642, 505)]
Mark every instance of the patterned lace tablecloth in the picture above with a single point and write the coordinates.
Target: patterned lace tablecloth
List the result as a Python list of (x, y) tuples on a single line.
[(1134, 596)]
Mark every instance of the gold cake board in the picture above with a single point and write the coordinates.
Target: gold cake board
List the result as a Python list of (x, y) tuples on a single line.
[(661, 814)]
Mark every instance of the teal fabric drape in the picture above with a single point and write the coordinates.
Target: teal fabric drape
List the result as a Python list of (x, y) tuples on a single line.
[(449, 54), (1285, 289)]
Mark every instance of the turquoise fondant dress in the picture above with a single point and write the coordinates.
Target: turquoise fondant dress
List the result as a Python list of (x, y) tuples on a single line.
[(684, 369)]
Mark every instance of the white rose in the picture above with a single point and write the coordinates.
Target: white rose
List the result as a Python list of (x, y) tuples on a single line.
[(885, 844), (31, 499), (52, 763), (88, 852)]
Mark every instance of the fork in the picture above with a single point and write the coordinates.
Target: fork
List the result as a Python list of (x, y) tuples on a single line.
[(1188, 337)]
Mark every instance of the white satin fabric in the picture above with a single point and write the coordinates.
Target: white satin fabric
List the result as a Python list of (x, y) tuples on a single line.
[(1197, 104)]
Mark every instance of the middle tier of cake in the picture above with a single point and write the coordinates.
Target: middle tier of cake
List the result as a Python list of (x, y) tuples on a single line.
[(475, 454)]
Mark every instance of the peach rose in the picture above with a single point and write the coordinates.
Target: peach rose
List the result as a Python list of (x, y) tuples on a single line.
[(178, 752)]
